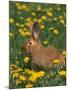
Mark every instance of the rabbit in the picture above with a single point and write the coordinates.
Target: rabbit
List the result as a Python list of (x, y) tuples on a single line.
[(41, 56)]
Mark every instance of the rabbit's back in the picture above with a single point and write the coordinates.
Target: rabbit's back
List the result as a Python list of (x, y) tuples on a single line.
[(45, 56)]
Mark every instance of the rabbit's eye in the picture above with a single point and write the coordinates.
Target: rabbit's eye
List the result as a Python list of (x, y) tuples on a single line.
[(30, 43)]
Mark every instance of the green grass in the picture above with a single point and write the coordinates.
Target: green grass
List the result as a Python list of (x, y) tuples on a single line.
[(51, 78)]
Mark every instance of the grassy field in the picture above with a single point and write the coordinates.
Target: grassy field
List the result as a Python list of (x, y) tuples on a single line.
[(51, 18)]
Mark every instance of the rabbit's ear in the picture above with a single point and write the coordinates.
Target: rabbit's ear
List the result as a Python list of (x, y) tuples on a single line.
[(30, 26), (35, 31)]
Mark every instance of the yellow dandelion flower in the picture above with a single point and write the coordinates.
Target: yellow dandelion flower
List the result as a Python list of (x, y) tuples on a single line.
[(18, 81), (56, 61), (21, 32), (50, 9), (17, 4), (24, 6), (15, 75), (29, 86), (33, 78), (13, 65), (35, 19), (28, 19), (45, 42), (19, 69), (22, 77), (25, 29), (55, 18), (11, 20), (17, 62), (56, 32), (60, 17), (21, 25), (43, 17), (58, 9), (33, 14), (64, 53), (19, 7), (62, 73), (21, 18), (39, 20), (26, 59), (17, 24), (41, 73), (49, 13), (36, 75), (38, 8), (27, 24), (11, 34), (42, 26), (51, 28), (28, 71), (28, 33), (62, 21)]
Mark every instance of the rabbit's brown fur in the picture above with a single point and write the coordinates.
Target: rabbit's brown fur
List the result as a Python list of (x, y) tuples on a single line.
[(42, 56)]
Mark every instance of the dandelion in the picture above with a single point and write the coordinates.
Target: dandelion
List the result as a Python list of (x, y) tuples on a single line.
[(62, 21), (55, 18), (19, 69), (28, 33), (33, 14), (62, 73), (21, 18), (28, 19), (28, 71), (21, 32), (11, 34), (18, 81), (26, 59), (15, 75), (41, 73), (64, 53), (42, 26), (22, 77), (17, 62), (60, 17), (35, 19), (50, 9), (11, 20), (36, 75), (38, 8), (39, 20), (56, 32), (45, 42), (19, 7), (33, 78), (49, 13), (17, 24), (43, 17), (27, 24), (29, 86), (17, 4), (51, 28), (13, 65), (58, 9), (21, 25), (24, 6), (56, 61)]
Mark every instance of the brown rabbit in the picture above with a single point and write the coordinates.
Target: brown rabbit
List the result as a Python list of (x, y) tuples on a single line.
[(41, 56)]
